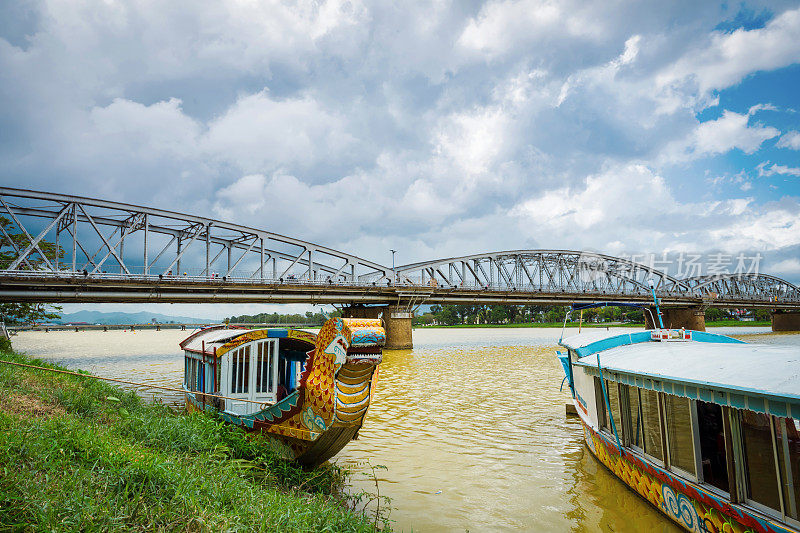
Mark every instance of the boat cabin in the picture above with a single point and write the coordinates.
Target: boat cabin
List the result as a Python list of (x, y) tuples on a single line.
[(704, 416), (250, 368)]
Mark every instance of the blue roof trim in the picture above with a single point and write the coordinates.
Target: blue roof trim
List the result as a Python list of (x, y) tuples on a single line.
[(273, 333), (704, 336), (740, 397), (644, 336)]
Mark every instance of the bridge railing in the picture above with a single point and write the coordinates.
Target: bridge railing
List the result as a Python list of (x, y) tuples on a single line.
[(430, 286)]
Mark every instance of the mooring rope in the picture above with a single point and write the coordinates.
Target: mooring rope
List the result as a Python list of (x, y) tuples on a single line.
[(145, 385)]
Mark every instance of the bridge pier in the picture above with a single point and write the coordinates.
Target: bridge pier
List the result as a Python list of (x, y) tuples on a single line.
[(786, 321), (678, 317), (396, 322)]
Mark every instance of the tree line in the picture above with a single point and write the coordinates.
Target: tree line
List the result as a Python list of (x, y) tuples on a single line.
[(451, 315), (278, 318)]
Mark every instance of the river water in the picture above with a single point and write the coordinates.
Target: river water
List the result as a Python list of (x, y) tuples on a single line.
[(469, 424)]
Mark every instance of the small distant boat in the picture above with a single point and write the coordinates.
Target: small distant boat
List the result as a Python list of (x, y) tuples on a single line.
[(308, 392), (703, 426)]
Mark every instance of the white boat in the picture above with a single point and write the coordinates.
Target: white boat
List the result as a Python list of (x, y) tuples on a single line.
[(703, 426)]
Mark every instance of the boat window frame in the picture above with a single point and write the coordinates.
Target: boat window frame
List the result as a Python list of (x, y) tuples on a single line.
[(625, 412), (788, 496), (600, 406), (191, 372), (696, 478), (618, 424), (742, 474), (726, 494), (662, 434), (642, 451)]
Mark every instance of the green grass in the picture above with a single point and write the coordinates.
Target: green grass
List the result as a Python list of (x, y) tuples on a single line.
[(727, 323), (78, 454)]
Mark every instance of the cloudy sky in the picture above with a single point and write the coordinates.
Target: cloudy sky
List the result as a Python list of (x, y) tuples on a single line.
[(436, 129)]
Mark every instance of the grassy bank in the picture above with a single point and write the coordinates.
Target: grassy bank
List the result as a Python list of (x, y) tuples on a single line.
[(78, 454), (709, 324)]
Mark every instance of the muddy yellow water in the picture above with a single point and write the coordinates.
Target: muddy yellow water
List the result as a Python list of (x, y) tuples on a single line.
[(470, 426)]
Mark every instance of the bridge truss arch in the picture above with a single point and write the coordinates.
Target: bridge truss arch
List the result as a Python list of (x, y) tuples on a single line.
[(744, 288), (547, 271), (101, 239)]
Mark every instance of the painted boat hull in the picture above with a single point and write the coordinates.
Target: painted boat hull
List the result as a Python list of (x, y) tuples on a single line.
[(308, 449), (686, 503)]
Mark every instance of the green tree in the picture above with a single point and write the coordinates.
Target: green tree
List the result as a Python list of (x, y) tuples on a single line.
[(12, 242), (23, 313)]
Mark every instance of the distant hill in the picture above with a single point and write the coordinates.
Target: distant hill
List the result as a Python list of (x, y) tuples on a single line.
[(142, 317)]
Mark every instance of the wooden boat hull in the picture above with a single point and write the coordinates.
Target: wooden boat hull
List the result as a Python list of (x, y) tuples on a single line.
[(684, 502)]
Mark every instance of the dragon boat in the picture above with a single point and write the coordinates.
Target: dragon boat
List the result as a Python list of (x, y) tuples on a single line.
[(703, 426), (308, 392)]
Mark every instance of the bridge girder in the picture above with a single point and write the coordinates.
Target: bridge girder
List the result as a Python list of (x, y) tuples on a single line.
[(744, 286), (116, 252), (567, 271), (200, 241)]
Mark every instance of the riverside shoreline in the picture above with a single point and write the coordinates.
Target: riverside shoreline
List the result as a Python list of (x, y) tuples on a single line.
[(79, 454)]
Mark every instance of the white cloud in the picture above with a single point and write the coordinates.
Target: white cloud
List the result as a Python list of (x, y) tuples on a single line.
[(597, 199), (765, 169), (506, 25), (260, 134), (160, 128), (731, 130), (789, 267), (633, 205), (727, 58), (790, 139), (474, 140), (761, 107)]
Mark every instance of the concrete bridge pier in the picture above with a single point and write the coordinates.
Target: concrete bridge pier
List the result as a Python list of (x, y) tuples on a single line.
[(396, 322), (678, 317), (786, 321)]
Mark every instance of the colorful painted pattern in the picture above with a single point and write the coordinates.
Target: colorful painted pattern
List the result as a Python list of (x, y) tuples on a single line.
[(368, 337), (685, 503), (353, 393)]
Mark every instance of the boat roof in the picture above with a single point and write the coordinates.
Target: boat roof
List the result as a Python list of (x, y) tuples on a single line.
[(214, 335), (217, 336), (595, 341), (712, 368)]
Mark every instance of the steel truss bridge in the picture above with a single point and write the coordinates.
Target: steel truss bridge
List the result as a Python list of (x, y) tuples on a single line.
[(116, 252)]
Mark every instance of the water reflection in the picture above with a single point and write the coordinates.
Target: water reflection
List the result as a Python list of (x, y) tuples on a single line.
[(470, 425)]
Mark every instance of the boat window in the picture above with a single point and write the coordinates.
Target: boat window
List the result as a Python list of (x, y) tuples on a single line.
[(635, 421), (240, 371), (613, 400), (602, 416), (191, 374), (651, 423), (678, 413), (787, 438), (266, 353), (712, 445), (762, 480)]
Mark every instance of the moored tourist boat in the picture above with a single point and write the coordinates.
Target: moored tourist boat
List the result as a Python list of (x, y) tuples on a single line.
[(308, 392), (703, 426)]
